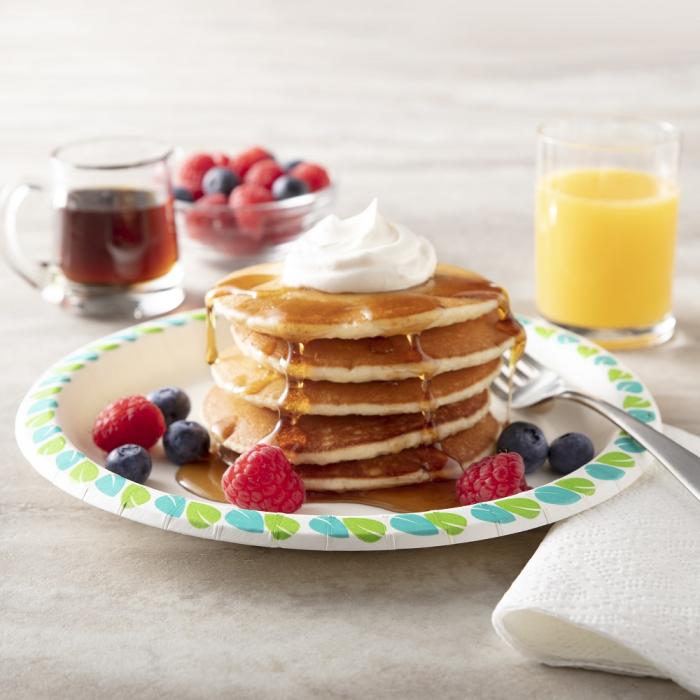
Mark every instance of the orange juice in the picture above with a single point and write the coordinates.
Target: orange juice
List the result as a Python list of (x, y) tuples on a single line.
[(605, 242)]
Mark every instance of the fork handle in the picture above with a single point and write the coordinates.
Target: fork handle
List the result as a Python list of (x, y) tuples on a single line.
[(682, 463)]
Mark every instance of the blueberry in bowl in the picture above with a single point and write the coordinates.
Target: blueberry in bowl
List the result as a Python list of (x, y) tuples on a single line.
[(243, 207)]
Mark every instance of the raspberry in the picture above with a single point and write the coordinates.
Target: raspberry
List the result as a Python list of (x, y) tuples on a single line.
[(242, 200), (131, 420), (492, 477), (207, 200), (264, 173), (192, 171), (210, 218), (221, 159), (263, 479), (244, 161), (313, 175)]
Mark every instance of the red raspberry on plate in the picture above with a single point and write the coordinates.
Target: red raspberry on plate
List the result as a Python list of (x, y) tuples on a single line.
[(497, 476), (243, 199), (263, 479), (313, 175), (264, 173), (243, 162), (192, 171), (131, 420)]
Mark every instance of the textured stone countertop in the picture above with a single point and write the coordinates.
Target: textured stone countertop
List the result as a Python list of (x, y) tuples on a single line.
[(432, 108)]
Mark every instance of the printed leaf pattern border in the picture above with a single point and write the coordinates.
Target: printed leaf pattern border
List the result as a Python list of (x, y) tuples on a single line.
[(51, 445)]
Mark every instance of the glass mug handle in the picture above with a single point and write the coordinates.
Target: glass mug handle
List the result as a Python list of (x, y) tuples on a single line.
[(37, 274)]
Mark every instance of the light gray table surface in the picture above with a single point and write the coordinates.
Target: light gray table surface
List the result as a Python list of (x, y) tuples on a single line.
[(432, 108)]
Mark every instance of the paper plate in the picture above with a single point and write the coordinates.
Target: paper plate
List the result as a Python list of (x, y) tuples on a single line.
[(54, 421)]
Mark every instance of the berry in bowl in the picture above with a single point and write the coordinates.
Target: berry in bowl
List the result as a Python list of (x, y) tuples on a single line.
[(244, 206)]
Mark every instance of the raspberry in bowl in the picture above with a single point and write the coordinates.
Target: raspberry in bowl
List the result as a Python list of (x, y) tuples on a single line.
[(243, 206)]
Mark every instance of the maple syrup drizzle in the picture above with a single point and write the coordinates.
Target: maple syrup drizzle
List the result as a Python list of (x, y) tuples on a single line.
[(292, 403), (203, 478), (257, 296)]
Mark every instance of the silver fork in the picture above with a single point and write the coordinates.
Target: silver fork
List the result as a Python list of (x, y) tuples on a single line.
[(533, 384)]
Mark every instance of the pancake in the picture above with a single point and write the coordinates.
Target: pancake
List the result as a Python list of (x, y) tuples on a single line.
[(438, 350), (412, 466), (239, 425), (263, 387), (255, 298)]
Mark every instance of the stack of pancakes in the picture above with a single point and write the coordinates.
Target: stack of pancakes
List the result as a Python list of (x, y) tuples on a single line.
[(361, 391)]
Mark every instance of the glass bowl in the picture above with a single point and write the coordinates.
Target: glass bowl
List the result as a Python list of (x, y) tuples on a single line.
[(253, 233)]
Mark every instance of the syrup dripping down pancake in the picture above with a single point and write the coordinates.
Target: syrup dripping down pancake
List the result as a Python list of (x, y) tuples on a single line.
[(412, 466), (256, 299), (263, 387), (438, 350), (239, 425)]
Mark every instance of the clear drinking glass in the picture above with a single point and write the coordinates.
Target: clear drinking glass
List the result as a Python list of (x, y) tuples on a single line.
[(605, 227), (114, 247)]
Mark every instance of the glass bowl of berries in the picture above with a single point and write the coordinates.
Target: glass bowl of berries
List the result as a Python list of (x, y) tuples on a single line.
[(244, 207)]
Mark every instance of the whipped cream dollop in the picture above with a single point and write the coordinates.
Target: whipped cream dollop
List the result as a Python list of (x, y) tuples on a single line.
[(365, 253)]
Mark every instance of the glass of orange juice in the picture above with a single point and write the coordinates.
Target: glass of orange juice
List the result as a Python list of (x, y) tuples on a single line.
[(605, 227)]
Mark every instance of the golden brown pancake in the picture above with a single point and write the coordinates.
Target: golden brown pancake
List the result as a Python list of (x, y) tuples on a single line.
[(407, 467), (239, 425), (264, 387), (255, 298), (361, 391), (410, 466), (442, 349)]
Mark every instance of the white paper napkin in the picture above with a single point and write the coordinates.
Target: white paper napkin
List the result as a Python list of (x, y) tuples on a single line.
[(616, 588)]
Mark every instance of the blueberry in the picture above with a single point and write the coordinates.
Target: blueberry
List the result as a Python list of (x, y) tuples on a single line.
[(185, 441), (570, 452), (183, 194), (219, 181), (173, 403), (288, 165), (130, 461), (287, 186), (528, 441)]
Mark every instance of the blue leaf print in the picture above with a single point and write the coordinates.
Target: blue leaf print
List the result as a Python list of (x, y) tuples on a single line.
[(604, 472), (42, 405), (556, 495), (329, 525), (173, 506), (643, 415), (56, 379), (413, 524), (44, 432), (246, 520), (629, 444), (68, 459), (491, 513), (632, 387), (110, 484)]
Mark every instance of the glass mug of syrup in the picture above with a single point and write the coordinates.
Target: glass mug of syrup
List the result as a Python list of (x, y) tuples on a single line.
[(115, 247)]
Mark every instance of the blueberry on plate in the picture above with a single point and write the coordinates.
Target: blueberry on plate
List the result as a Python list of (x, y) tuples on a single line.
[(528, 441), (173, 403), (569, 452), (186, 441), (130, 461), (219, 181), (183, 194), (286, 186)]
